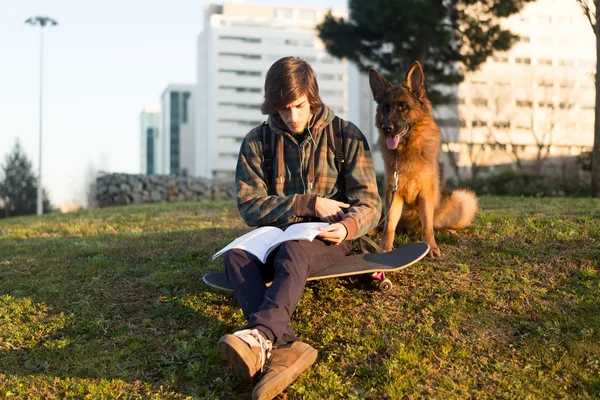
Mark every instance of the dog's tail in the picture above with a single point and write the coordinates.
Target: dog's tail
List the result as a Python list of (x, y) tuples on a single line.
[(456, 210)]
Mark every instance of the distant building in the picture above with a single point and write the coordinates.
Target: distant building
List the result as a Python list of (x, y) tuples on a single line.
[(149, 120), (538, 96), (540, 93), (236, 48), (177, 143)]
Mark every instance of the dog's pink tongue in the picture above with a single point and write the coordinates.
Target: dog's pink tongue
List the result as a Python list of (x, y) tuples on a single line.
[(392, 141)]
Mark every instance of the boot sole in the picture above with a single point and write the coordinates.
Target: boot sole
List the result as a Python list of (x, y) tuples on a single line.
[(239, 355), (287, 377)]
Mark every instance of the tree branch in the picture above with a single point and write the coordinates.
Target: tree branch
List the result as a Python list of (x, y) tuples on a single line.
[(591, 15)]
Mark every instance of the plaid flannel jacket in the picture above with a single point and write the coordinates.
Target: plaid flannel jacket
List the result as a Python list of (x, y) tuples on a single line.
[(292, 198)]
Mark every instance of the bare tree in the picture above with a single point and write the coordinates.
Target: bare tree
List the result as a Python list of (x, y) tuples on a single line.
[(507, 115), (543, 115), (589, 9)]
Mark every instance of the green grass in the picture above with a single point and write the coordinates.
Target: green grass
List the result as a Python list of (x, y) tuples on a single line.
[(110, 303)]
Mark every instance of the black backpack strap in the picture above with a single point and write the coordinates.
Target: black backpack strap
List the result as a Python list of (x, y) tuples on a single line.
[(268, 138), (336, 132)]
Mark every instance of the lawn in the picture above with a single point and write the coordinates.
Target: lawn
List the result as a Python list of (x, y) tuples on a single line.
[(110, 303)]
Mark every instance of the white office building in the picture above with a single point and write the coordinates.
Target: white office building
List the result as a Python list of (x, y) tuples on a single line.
[(236, 48), (177, 144), (539, 93), (535, 100), (149, 121)]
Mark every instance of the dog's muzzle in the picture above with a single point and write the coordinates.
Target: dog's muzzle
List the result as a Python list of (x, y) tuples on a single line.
[(393, 141)]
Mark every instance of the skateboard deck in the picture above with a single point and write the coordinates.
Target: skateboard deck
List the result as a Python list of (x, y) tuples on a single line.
[(377, 263)]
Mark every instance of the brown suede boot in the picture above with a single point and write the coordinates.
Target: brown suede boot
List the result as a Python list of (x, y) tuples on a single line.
[(286, 364), (247, 351)]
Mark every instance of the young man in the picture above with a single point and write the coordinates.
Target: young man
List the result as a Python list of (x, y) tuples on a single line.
[(305, 186)]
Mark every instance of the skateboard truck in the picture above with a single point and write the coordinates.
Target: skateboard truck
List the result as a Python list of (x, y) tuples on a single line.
[(383, 283)]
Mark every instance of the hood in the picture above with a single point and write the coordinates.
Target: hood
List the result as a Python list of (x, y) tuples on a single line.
[(321, 119)]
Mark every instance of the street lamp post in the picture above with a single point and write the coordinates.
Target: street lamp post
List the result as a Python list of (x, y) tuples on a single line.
[(42, 21)]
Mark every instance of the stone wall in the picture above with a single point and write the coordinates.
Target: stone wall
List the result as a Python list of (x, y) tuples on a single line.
[(124, 189)]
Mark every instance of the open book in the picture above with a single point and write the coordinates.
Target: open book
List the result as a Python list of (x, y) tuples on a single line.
[(262, 241)]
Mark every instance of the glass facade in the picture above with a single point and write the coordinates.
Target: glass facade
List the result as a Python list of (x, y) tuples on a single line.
[(150, 151), (174, 130), (178, 113)]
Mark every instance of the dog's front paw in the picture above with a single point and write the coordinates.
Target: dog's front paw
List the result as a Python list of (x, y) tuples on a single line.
[(434, 251), (385, 249)]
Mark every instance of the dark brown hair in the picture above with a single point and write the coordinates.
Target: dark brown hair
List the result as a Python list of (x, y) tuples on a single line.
[(288, 79)]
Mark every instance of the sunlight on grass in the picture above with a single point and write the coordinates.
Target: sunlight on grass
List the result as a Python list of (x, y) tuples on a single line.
[(110, 303), (24, 324)]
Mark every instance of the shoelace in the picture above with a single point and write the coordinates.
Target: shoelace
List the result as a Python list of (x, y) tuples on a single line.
[(255, 339)]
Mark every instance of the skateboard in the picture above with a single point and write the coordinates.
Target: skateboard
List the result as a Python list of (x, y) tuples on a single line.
[(377, 264)]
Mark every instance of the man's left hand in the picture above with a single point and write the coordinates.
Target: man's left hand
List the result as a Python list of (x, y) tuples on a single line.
[(334, 233)]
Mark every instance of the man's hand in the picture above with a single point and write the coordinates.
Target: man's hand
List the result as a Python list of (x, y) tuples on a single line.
[(334, 233), (330, 210)]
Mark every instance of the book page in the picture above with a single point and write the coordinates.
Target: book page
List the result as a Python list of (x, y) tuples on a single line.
[(256, 242), (303, 231)]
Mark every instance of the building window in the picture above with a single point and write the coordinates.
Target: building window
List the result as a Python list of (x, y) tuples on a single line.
[(566, 106), (567, 85), (228, 156), (524, 103), (291, 42), (174, 114), (242, 56), (240, 121), (243, 106), (546, 104), (286, 13), (502, 124), (524, 39), (523, 60), (186, 97), (500, 59), (478, 123), (240, 39), (331, 77), (150, 151), (239, 72), (479, 102), (546, 84), (230, 140), (566, 63), (332, 93), (241, 89), (544, 61)]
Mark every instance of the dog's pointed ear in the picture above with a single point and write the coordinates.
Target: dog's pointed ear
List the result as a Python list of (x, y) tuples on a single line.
[(378, 84), (415, 80)]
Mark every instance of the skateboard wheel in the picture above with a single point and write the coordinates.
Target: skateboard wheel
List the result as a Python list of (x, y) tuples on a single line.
[(385, 285)]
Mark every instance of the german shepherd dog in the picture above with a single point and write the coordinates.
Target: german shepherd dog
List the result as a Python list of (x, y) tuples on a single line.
[(410, 141)]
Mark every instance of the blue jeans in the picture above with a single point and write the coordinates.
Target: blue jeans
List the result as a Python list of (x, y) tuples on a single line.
[(270, 309)]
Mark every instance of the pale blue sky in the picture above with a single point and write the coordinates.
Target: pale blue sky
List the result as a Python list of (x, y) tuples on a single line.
[(104, 61)]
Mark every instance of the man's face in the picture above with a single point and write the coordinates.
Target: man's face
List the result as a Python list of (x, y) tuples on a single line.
[(296, 115)]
